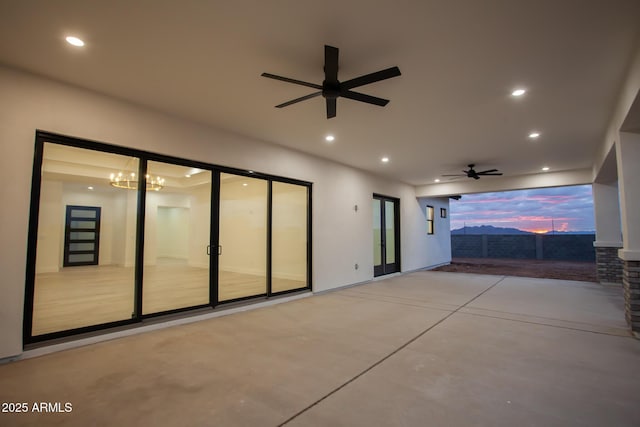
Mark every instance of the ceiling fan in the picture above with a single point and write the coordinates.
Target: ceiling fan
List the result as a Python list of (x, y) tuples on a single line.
[(331, 88), (471, 173)]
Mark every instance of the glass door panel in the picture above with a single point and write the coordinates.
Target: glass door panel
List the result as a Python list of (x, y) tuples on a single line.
[(386, 249), (289, 237), (390, 232), (102, 290), (242, 250), (176, 237), (377, 237)]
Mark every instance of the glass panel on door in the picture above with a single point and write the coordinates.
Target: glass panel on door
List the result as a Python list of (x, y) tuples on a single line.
[(377, 235), (242, 250), (390, 233), (176, 237), (289, 237), (84, 271)]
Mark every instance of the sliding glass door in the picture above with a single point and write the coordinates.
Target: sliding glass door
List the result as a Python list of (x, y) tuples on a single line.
[(290, 250), (242, 249), (176, 237), (117, 236), (74, 285)]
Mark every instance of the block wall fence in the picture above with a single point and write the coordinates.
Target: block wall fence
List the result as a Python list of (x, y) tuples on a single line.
[(572, 247)]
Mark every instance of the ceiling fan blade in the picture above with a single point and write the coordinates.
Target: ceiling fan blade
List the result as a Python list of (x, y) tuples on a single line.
[(491, 174), (488, 171), (331, 108), (475, 177), (357, 96), (294, 81), (331, 64), (370, 78), (302, 98)]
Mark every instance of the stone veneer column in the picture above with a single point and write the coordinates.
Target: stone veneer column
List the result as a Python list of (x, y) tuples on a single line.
[(609, 265), (631, 283)]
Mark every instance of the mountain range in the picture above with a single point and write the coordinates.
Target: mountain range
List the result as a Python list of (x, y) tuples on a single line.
[(490, 229)]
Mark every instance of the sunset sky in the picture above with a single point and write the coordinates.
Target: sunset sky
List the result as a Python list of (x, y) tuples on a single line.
[(568, 208)]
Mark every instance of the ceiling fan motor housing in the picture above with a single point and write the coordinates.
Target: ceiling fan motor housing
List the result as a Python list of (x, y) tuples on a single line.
[(330, 91)]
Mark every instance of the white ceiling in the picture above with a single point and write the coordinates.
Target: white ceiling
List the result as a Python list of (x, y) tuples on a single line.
[(459, 60)]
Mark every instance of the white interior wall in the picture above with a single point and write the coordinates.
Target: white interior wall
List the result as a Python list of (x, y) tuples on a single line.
[(199, 229), (173, 232), (71, 196), (153, 248), (289, 237), (342, 236), (243, 226), (51, 226), (119, 233), (130, 227), (55, 196)]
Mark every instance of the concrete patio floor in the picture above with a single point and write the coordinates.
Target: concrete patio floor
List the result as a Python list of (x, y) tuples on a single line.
[(425, 348)]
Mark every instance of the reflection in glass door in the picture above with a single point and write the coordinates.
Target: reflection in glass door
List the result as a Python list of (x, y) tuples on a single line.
[(176, 237), (386, 233)]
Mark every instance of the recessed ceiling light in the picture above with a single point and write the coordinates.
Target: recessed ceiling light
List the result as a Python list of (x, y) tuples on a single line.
[(244, 184), (90, 188), (546, 168), (384, 160), (436, 180), (518, 92), (74, 41), (534, 135), (187, 176), (329, 138)]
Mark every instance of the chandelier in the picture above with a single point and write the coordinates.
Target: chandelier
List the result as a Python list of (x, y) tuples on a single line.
[(129, 181)]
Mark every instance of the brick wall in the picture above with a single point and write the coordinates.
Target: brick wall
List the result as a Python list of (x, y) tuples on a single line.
[(571, 247)]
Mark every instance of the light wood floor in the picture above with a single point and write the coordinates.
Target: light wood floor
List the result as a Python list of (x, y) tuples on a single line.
[(83, 296)]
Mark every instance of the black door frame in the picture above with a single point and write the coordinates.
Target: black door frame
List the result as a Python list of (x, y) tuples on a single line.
[(385, 268)]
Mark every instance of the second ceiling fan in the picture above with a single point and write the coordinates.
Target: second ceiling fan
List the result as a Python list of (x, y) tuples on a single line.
[(331, 88), (471, 173)]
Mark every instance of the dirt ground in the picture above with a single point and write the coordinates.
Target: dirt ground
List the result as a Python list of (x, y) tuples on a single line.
[(545, 269)]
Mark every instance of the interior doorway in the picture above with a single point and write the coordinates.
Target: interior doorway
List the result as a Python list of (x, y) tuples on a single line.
[(81, 236), (386, 235)]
